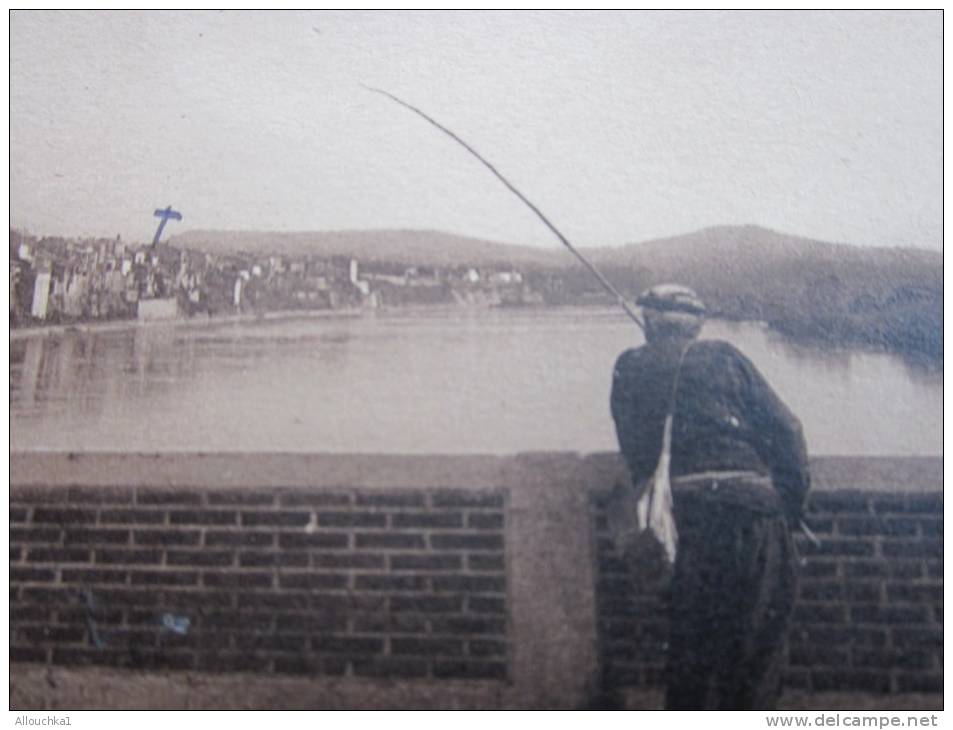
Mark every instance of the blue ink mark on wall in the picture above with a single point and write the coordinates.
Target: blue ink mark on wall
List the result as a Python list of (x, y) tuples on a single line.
[(176, 624), (165, 214)]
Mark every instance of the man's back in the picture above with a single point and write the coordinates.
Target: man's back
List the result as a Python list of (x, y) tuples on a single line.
[(726, 416)]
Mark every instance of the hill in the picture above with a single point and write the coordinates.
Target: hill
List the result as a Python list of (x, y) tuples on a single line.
[(719, 253), (413, 247), (729, 255), (812, 290), (886, 298)]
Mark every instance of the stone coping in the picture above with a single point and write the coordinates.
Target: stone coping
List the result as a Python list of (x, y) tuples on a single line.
[(370, 471), (33, 687)]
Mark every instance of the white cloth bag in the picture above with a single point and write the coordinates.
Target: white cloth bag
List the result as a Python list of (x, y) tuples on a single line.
[(654, 508), (628, 517)]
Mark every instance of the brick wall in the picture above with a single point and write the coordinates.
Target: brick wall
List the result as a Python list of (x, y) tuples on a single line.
[(407, 583), (869, 615), (354, 581)]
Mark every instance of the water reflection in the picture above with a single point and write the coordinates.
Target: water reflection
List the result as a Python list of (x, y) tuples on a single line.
[(449, 382), (834, 359), (921, 368)]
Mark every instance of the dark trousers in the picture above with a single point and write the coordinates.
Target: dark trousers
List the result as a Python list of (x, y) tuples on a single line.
[(732, 593)]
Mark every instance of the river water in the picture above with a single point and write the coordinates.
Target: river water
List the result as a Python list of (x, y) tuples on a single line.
[(438, 381)]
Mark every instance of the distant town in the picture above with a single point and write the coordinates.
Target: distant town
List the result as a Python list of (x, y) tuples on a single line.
[(56, 281), (823, 294)]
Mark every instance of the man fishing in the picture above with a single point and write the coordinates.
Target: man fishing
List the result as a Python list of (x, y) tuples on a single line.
[(740, 468), (738, 476)]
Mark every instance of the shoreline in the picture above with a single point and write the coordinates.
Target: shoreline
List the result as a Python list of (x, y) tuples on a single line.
[(24, 333), (915, 358)]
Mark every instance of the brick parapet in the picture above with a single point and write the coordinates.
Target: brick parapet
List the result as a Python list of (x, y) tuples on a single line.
[(869, 611), (485, 575), (404, 583)]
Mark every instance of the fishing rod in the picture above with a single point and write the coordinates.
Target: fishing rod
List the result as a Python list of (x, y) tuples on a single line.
[(629, 310), (539, 214)]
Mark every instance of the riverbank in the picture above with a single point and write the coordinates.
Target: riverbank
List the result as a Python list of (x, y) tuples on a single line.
[(23, 333), (799, 336)]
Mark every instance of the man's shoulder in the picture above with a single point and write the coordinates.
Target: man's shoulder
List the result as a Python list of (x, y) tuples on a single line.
[(716, 349), (630, 358), (634, 357), (632, 352), (721, 358)]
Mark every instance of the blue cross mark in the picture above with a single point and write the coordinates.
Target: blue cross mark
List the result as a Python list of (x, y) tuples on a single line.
[(165, 215)]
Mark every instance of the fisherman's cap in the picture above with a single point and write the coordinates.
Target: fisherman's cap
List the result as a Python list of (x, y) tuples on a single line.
[(671, 298)]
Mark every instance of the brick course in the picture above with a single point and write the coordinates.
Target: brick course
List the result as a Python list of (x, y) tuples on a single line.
[(866, 616), (870, 608), (405, 583)]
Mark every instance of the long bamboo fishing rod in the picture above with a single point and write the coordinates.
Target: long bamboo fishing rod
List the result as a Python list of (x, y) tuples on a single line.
[(512, 188)]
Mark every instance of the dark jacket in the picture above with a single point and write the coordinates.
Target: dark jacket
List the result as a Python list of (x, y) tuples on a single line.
[(726, 417)]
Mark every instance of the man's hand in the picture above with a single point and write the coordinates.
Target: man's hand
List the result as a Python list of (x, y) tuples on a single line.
[(626, 512)]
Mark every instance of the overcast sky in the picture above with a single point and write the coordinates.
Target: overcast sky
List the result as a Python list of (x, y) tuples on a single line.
[(621, 126)]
